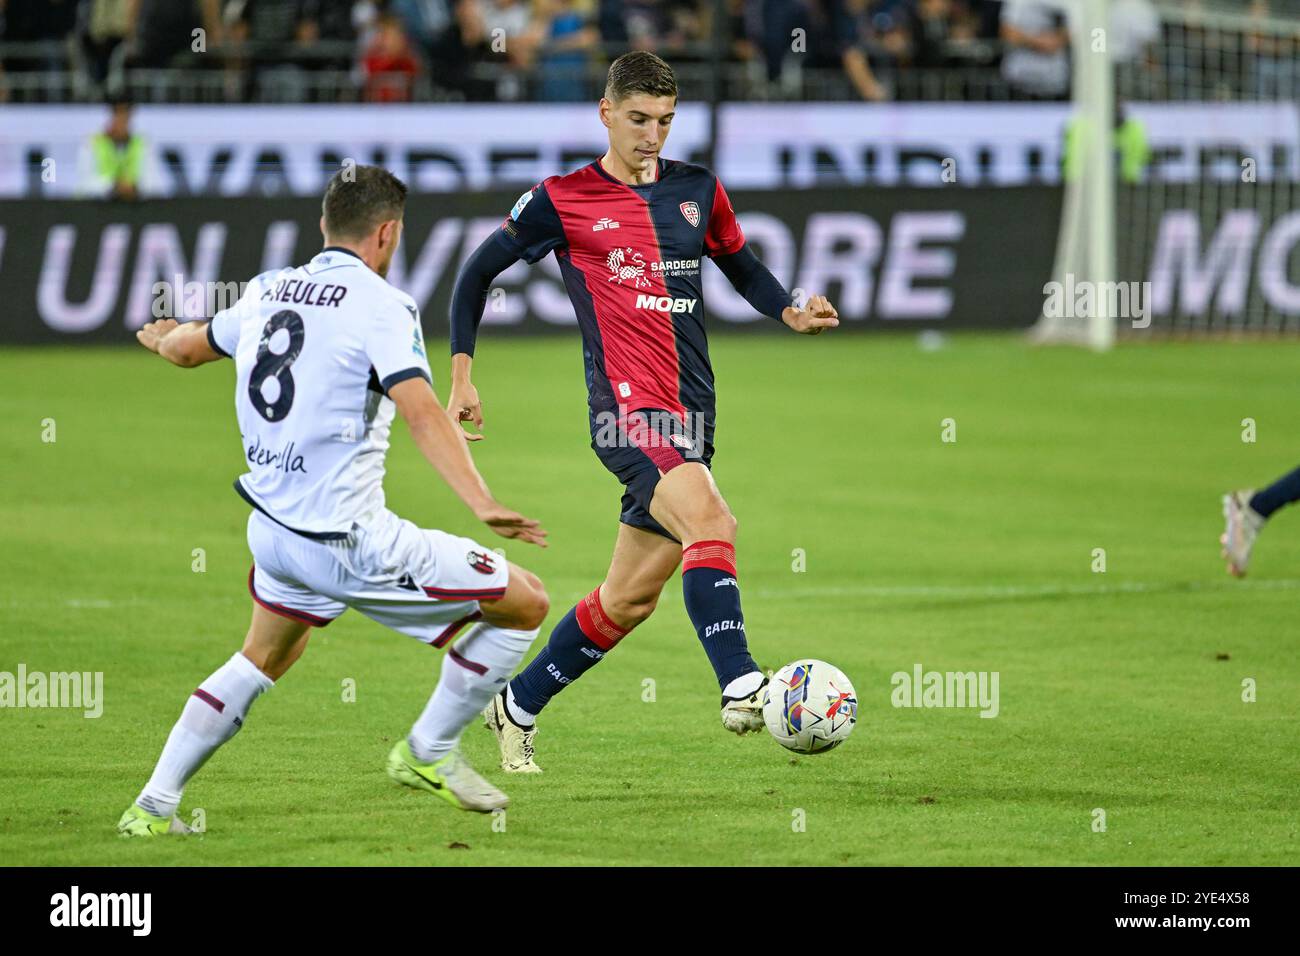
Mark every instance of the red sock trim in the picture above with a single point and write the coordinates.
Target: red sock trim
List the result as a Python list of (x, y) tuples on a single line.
[(208, 699), (719, 555), (595, 623), (452, 629), (465, 662)]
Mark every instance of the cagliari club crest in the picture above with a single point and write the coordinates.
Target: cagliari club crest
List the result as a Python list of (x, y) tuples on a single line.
[(692, 212)]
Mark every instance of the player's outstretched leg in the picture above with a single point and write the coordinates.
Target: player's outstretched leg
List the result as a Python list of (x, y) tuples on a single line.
[(642, 562), (476, 666), (1245, 513), (687, 502), (214, 713)]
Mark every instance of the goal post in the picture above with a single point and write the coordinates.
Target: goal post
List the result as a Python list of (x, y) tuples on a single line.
[(1085, 246), (1195, 228)]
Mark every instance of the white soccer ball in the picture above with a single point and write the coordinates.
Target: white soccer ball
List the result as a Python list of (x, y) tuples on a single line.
[(810, 706)]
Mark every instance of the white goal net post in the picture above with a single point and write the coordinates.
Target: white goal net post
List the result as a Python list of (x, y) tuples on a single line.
[(1207, 245)]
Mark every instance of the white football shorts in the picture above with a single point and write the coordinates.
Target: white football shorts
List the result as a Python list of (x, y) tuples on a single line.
[(424, 583)]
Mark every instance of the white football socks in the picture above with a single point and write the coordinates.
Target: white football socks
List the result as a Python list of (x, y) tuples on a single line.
[(475, 668), (744, 685), (521, 717), (212, 715)]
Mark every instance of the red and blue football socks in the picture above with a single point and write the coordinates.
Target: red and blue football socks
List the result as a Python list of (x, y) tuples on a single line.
[(713, 602), (577, 644)]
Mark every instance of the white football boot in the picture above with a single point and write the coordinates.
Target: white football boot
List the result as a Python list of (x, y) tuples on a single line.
[(1243, 526), (516, 742), (743, 715)]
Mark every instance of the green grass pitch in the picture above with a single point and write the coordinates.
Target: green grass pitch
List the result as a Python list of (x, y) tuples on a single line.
[(1119, 690)]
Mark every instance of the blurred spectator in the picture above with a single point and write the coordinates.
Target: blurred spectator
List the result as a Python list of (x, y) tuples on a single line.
[(426, 21), (611, 23), (883, 30), (1134, 33), (570, 38), (335, 19), (337, 24), (839, 32), (102, 31), (938, 27), (455, 47), (742, 48), (115, 164), (271, 33), (1036, 64), (1276, 70), (510, 29), (987, 17), (389, 65), (666, 27), (772, 24), (1134, 28), (1129, 139), (510, 36), (37, 21), (161, 30)]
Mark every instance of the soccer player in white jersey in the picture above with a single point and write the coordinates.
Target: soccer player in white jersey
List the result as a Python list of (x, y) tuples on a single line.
[(325, 354)]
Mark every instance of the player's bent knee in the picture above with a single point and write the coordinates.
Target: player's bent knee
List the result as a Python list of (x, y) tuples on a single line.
[(539, 607), (628, 612), (715, 524), (523, 607)]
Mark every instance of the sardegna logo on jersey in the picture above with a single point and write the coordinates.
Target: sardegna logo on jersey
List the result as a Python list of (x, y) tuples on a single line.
[(626, 264)]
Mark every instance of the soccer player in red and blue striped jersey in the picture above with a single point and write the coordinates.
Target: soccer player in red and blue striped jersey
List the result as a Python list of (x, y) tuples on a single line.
[(630, 232)]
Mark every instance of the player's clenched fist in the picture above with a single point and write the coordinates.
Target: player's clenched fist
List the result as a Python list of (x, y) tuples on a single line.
[(153, 332), (817, 314), (464, 406)]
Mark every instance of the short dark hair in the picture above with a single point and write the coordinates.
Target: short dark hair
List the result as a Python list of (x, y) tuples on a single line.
[(359, 198), (640, 72)]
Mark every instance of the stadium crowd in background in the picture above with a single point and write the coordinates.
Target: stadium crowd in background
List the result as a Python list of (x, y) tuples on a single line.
[(556, 50)]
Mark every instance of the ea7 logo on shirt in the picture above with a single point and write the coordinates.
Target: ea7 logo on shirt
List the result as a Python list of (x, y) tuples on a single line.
[(692, 213), (664, 303), (605, 223), (625, 264), (481, 561)]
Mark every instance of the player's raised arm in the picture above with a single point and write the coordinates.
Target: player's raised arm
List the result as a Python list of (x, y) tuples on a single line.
[(468, 298), (444, 446), (531, 231), (725, 244), (394, 344), (185, 344), (188, 344), (761, 289)]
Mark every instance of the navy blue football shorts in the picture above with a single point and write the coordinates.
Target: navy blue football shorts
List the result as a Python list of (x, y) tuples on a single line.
[(641, 448)]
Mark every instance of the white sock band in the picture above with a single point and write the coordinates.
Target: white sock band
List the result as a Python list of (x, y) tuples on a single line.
[(213, 714), (476, 667), (744, 685), (516, 713)]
